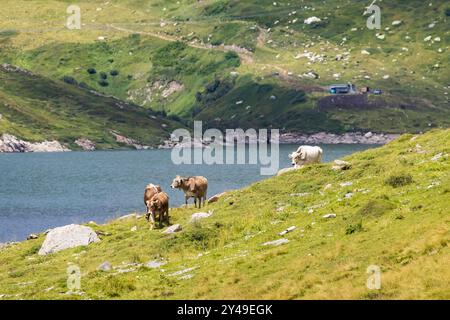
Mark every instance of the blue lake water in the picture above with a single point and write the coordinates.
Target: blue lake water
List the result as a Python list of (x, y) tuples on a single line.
[(44, 190)]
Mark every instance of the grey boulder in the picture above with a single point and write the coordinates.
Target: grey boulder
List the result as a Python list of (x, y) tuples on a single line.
[(66, 237)]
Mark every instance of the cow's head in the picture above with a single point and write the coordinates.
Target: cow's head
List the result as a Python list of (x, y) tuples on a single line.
[(297, 156), (155, 204), (177, 182)]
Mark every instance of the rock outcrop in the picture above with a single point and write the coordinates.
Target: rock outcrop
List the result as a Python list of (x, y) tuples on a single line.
[(128, 141), (216, 197), (105, 266), (10, 143), (341, 165), (86, 144), (66, 237)]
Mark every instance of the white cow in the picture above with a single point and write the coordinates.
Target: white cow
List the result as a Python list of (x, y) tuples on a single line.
[(306, 155)]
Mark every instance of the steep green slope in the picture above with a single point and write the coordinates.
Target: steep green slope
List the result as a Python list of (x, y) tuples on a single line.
[(35, 108), (391, 211), (132, 45)]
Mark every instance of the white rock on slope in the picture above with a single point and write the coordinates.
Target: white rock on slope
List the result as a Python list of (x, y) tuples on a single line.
[(276, 242), (173, 229), (201, 215), (311, 20), (66, 237)]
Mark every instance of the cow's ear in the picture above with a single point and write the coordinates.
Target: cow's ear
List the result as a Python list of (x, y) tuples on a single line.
[(290, 156), (302, 155)]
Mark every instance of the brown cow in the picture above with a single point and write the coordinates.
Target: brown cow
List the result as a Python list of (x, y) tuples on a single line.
[(193, 187), (150, 190), (158, 205)]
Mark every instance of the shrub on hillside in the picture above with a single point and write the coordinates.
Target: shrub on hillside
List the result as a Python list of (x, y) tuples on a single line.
[(299, 97), (212, 86), (232, 59), (103, 75), (376, 207), (114, 73), (216, 42), (399, 180), (103, 83), (91, 71), (70, 80), (353, 228)]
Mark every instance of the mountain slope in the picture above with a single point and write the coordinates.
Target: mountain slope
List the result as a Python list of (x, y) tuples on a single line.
[(35, 108), (391, 211), (170, 55)]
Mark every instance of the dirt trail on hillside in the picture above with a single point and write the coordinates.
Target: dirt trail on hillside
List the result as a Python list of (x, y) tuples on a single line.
[(244, 54)]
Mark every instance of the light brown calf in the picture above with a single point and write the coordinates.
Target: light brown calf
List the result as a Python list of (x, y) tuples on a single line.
[(193, 187), (150, 190), (158, 205)]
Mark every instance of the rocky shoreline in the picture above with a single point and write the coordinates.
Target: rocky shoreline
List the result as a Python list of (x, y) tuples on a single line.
[(10, 143), (332, 138), (302, 138)]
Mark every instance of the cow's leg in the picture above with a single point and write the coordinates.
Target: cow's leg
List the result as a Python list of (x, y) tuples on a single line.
[(185, 200), (152, 218), (161, 217), (195, 202), (167, 216)]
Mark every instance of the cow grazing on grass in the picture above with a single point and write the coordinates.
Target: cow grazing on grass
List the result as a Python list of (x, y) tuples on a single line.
[(193, 187), (306, 155), (158, 207)]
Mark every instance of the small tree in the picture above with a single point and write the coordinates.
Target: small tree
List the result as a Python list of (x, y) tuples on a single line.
[(103, 83)]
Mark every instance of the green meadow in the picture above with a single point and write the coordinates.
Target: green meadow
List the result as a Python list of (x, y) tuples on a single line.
[(391, 211)]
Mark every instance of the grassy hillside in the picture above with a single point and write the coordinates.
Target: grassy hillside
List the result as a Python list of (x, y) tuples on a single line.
[(391, 210), (36, 108), (244, 63)]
